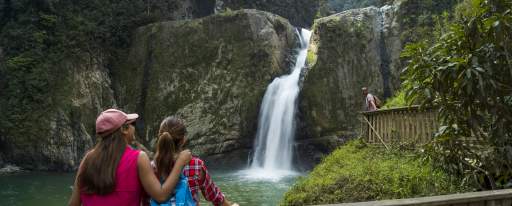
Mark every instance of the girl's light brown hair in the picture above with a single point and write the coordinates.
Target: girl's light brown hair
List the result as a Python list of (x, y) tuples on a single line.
[(98, 175), (170, 142)]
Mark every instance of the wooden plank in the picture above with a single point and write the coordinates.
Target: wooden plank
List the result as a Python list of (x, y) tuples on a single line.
[(407, 128), (397, 137), (367, 128), (421, 134), (394, 134), (386, 126), (377, 128), (361, 134), (473, 198), (423, 129), (378, 135), (374, 123), (370, 134), (430, 131), (375, 132), (381, 126), (506, 202), (413, 124), (478, 203), (402, 126)]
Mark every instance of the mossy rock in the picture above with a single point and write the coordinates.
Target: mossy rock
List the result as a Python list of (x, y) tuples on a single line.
[(212, 72), (350, 50)]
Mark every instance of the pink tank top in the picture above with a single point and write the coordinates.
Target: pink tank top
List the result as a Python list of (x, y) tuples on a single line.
[(128, 188)]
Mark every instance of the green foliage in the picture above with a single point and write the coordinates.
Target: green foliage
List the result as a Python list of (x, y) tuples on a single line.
[(399, 100), (356, 172), (418, 19), (466, 73), (40, 40), (311, 58)]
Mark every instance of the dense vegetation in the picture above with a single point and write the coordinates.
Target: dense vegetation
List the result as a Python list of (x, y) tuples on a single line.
[(356, 172), (466, 73), (40, 43), (463, 68)]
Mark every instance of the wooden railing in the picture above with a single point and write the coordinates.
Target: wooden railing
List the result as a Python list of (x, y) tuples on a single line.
[(485, 198), (404, 125)]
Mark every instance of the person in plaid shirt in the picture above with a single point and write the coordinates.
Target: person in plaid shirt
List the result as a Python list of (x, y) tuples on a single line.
[(173, 129)]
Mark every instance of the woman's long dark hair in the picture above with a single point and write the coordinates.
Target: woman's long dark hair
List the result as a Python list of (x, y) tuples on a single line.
[(98, 174), (170, 136)]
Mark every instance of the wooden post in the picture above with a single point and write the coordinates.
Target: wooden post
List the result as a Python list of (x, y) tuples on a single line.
[(377, 134)]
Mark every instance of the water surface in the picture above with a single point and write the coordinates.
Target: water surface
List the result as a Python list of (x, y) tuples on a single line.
[(38, 188)]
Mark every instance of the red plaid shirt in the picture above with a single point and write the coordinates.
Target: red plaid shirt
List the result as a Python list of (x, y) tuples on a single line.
[(210, 191)]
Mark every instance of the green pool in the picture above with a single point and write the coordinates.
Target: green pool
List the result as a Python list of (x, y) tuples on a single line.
[(37, 188)]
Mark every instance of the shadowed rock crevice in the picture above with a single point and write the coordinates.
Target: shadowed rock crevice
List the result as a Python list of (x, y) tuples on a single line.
[(144, 84), (384, 55)]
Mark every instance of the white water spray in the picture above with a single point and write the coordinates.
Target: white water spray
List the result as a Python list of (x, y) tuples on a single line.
[(276, 127)]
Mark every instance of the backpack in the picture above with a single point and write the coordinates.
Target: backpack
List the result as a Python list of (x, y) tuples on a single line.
[(378, 103), (182, 195)]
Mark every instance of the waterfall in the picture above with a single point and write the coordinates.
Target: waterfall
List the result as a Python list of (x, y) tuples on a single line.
[(276, 124)]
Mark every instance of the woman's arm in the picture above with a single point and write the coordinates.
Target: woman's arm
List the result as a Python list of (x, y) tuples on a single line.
[(210, 191), (75, 195), (151, 184)]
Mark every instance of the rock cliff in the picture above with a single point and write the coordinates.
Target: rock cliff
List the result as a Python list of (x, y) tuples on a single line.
[(212, 72), (348, 50), (60, 135)]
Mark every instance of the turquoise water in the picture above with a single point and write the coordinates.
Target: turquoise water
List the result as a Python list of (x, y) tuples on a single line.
[(37, 188)]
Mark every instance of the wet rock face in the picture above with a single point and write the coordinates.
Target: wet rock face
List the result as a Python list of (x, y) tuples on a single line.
[(349, 50), (299, 12), (63, 134), (212, 72)]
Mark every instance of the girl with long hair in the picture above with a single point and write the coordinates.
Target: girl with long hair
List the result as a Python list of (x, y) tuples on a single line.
[(112, 173), (171, 138)]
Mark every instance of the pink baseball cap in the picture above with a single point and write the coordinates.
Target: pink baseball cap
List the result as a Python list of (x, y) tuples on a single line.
[(112, 119)]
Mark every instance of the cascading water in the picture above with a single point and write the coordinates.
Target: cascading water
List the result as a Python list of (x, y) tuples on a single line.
[(276, 127)]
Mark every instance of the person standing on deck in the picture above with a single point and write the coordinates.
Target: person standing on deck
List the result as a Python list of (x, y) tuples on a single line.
[(369, 100)]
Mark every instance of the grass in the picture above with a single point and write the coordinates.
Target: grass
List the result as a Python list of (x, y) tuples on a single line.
[(356, 172)]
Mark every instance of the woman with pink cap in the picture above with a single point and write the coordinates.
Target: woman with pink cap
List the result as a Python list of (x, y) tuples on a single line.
[(112, 173)]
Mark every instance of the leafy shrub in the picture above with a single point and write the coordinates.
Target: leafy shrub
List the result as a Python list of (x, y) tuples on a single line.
[(398, 100), (466, 73)]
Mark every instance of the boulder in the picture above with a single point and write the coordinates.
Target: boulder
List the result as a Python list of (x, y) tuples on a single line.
[(212, 72), (350, 50), (59, 137)]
